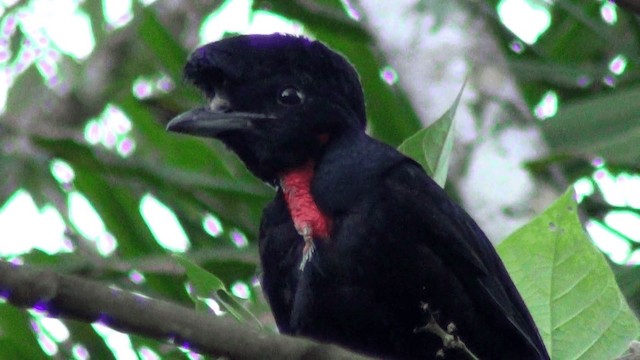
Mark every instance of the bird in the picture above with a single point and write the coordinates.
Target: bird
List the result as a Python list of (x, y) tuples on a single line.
[(359, 247)]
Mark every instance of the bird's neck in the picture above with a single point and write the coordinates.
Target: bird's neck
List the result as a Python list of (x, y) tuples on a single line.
[(306, 215), (352, 165)]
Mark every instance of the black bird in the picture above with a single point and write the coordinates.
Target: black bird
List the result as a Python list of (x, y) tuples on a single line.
[(359, 247)]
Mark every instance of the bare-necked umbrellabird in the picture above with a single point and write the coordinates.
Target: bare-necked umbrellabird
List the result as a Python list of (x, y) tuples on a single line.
[(359, 247)]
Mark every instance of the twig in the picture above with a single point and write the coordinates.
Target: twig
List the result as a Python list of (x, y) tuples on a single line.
[(449, 340)]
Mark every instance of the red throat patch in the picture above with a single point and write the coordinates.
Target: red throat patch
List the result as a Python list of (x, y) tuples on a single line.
[(309, 220)]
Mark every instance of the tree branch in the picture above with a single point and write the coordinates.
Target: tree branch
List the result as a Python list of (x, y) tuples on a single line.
[(72, 297)]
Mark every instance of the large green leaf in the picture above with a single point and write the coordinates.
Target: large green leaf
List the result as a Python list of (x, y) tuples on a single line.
[(568, 286), (432, 146)]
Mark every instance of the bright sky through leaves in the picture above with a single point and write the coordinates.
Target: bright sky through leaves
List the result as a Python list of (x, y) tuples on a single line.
[(608, 12), (531, 21), (236, 17), (163, 224), (548, 105), (17, 238), (57, 29), (119, 343)]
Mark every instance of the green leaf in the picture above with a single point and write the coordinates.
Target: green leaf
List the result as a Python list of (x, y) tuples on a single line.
[(84, 334), (159, 347), (627, 278), (17, 340), (569, 76), (568, 286), (27, 173), (203, 281), (117, 207), (9, 165), (206, 285), (184, 152), (607, 125), (25, 91), (319, 15), (432, 146), (162, 44)]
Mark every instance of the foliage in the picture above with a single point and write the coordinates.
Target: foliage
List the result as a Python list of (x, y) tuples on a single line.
[(568, 286), (592, 67), (432, 146), (196, 177), (566, 282)]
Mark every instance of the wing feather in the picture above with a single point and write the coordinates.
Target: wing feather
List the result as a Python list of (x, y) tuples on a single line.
[(462, 245)]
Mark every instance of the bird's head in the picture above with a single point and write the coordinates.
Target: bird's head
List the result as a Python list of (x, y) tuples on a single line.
[(276, 100)]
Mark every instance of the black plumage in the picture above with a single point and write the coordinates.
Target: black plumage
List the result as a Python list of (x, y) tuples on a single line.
[(353, 256)]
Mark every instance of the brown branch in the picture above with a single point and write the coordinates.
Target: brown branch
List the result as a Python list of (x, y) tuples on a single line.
[(73, 297)]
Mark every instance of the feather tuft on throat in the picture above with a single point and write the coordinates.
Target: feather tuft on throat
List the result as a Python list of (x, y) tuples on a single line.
[(310, 222)]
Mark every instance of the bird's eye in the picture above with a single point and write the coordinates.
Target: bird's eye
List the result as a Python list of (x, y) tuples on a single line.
[(290, 96)]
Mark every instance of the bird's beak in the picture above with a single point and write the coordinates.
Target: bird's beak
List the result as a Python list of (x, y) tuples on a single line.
[(207, 123)]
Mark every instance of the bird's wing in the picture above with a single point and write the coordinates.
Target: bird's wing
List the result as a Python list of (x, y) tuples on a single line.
[(279, 245), (461, 244)]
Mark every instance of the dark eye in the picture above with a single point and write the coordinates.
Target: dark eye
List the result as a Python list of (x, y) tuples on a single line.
[(290, 96)]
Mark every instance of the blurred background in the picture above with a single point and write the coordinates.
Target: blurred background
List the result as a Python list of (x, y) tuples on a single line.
[(92, 185)]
